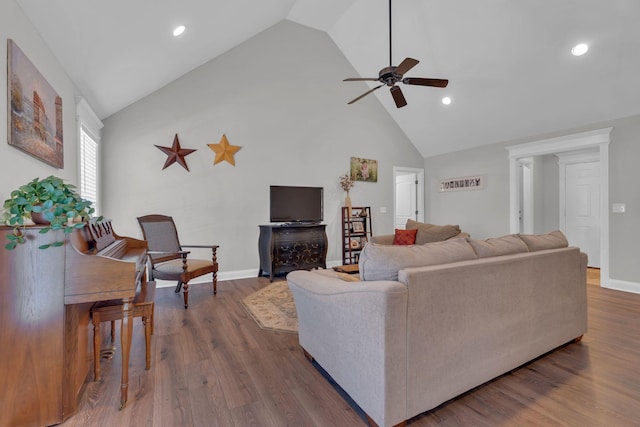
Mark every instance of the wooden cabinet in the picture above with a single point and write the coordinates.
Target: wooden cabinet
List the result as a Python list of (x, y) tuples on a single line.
[(356, 231), (284, 248)]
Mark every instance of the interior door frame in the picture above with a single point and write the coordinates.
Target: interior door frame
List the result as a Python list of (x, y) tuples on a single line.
[(401, 170), (599, 141), (525, 194)]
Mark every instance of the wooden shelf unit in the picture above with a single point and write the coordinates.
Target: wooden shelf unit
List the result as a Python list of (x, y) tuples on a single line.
[(355, 229)]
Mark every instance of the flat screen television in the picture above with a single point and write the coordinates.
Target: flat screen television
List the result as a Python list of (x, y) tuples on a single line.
[(296, 204)]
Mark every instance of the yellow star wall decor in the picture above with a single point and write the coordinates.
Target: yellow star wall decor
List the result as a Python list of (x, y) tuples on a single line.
[(224, 151), (175, 153)]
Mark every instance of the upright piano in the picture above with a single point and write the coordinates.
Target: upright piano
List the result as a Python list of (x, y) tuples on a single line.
[(45, 302)]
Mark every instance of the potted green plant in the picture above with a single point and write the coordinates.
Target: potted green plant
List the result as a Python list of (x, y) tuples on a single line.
[(58, 204)]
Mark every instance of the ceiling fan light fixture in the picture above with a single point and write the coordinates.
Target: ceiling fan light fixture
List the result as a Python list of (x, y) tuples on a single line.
[(446, 100), (178, 30), (579, 49)]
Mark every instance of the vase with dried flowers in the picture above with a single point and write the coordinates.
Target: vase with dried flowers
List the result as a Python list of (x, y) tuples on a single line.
[(347, 184)]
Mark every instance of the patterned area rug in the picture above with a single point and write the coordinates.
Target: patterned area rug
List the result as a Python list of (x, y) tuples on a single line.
[(273, 308)]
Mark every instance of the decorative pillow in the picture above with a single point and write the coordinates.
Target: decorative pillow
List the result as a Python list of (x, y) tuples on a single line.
[(511, 244), (538, 242), (405, 237), (428, 233), (382, 262)]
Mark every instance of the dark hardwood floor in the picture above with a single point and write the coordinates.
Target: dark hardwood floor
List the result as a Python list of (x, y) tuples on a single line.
[(213, 366)]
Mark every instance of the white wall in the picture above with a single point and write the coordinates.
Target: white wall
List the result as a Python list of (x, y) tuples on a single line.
[(17, 167), (482, 213), (485, 213), (624, 187), (548, 209), (279, 96)]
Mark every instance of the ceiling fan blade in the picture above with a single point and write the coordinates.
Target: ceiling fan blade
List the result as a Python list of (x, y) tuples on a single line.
[(398, 97), (406, 65), (364, 94), (361, 79), (425, 82)]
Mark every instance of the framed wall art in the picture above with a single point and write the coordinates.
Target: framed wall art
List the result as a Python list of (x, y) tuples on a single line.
[(364, 169), (358, 227), (34, 110)]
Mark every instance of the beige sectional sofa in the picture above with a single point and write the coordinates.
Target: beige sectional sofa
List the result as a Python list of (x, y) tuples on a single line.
[(427, 233), (429, 322)]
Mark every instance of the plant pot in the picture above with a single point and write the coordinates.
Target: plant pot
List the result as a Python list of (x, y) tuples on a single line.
[(39, 219)]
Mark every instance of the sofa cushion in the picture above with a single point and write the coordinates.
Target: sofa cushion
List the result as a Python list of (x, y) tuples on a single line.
[(538, 242), (428, 233), (382, 262), (405, 237), (496, 246)]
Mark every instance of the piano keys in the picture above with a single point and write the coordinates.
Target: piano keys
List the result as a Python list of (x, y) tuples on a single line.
[(99, 266)]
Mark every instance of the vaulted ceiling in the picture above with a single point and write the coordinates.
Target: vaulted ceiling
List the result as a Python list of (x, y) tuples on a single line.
[(509, 64)]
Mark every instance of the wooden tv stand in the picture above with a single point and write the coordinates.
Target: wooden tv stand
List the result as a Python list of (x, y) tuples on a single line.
[(284, 248)]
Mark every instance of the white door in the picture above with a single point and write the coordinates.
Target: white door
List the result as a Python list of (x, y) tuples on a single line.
[(582, 207), (406, 199)]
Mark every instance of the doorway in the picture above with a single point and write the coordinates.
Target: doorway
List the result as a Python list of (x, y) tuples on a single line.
[(579, 202), (408, 195), (596, 144), (526, 202)]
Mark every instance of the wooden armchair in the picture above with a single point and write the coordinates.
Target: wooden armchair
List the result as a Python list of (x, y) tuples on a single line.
[(167, 258)]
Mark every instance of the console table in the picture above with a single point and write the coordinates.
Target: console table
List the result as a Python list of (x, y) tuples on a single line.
[(284, 248)]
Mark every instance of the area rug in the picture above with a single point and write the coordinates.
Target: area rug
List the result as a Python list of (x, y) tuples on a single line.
[(273, 308)]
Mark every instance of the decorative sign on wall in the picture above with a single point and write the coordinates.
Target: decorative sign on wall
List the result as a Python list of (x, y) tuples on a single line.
[(462, 183), (35, 110), (224, 151), (175, 153)]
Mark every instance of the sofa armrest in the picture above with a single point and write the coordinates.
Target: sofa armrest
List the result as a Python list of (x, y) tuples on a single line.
[(460, 235), (357, 332), (385, 239)]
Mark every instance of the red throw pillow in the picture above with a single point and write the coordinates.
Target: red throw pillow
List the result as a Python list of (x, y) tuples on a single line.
[(405, 237)]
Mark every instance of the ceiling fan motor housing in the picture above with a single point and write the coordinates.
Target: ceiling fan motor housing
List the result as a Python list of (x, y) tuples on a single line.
[(389, 76)]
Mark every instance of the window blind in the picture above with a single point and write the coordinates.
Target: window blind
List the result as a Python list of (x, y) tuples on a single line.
[(89, 168)]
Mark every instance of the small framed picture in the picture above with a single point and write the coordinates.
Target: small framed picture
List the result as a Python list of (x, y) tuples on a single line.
[(358, 227), (354, 244)]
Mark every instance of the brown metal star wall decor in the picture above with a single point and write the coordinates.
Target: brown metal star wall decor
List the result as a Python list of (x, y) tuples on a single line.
[(175, 153)]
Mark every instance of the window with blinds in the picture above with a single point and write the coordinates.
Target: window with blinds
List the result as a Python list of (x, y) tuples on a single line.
[(89, 168)]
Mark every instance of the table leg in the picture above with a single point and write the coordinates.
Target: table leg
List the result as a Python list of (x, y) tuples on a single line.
[(126, 332)]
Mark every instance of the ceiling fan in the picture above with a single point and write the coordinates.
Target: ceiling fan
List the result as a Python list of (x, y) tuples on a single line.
[(395, 74)]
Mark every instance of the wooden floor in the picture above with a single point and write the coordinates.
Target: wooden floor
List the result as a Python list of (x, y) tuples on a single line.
[(213, 366)]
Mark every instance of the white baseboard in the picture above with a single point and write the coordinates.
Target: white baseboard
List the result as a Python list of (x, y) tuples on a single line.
[(621, 285)]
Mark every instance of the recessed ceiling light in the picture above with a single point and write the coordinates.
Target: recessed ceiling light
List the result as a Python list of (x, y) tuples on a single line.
[(580, 49), (446, 100), (179, 30)]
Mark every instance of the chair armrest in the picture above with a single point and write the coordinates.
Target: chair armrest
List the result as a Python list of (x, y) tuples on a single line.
[(213, 248), (156, 257), (180, 253)]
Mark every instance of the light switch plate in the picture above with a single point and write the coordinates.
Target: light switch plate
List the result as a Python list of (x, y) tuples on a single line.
[(618, 208), (383, 209)]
